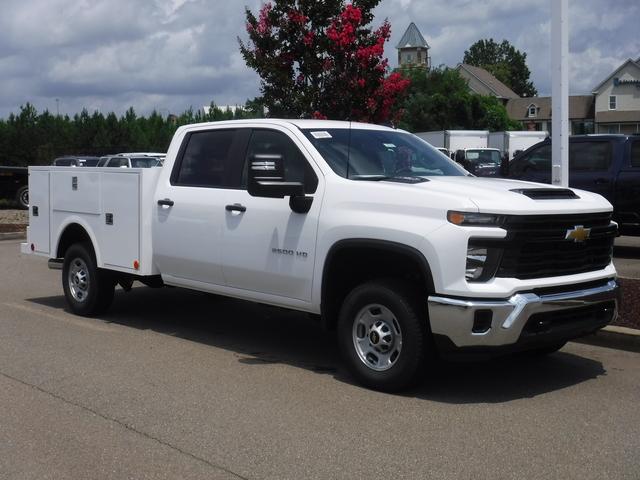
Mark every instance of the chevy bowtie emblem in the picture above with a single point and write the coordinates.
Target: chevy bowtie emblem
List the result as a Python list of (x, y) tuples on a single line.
[(578, 234)]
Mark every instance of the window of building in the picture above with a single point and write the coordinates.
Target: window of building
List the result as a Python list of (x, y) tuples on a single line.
[(613, 101), (532, 111)]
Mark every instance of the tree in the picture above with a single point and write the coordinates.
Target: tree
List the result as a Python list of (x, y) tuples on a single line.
[(505, 62), (322, 60), (441, 100)]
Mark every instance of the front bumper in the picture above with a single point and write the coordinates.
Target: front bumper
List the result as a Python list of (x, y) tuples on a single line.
[(523, 321)]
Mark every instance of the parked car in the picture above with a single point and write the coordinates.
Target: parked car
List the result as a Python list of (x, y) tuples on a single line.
[(604, 164), (481, 162), (142, 154), (76, 161), (132, 162), (367, 228), (14, 185)]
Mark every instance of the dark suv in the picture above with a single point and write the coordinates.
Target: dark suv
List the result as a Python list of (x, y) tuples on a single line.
[(604, 164)]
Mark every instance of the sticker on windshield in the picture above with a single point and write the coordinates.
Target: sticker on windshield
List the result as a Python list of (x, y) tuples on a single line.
[(322, 134)]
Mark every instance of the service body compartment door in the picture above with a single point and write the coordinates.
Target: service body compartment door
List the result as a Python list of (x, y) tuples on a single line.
[(39, 220), (120, 238)]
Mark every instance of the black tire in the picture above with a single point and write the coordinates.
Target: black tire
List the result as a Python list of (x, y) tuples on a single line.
[(403, 302), (100, 284), (547, 350), (22, 197)]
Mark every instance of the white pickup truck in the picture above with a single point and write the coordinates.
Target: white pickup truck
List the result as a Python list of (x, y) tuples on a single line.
[(369, 228)]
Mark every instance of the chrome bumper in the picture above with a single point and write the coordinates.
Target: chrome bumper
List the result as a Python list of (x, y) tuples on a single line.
[(454, 317)]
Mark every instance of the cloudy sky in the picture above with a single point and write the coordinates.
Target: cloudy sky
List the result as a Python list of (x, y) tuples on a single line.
[(170, 54)]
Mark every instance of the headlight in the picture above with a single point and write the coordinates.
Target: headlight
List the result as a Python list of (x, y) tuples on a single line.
[(475, 219), (482, 261)]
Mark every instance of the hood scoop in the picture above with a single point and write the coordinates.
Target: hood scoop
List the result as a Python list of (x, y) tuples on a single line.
[(547, 193)]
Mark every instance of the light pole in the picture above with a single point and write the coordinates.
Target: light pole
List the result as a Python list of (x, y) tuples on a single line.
[(560, 92), (57, 107)]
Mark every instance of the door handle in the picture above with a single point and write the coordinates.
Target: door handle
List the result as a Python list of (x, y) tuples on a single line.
[(165, 202), (236, 207)]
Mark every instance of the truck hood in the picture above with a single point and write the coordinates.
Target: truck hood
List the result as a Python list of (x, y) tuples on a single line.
[(496, 195)]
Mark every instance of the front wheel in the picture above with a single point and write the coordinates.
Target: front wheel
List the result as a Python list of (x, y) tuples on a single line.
[(87, 289), (382, 333)]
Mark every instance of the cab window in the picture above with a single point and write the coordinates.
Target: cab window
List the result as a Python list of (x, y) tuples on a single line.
[(205, 159), (589, 156), (296, 166)]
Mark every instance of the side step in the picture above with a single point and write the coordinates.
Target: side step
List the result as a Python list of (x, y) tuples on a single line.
[(55, 263)]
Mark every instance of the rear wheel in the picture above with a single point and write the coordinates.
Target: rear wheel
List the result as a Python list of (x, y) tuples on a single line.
[(22, 197), (88, 289), (382, 335)]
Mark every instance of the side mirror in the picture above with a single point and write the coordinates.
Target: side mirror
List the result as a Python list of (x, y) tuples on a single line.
[(460, 156), (266, 179)]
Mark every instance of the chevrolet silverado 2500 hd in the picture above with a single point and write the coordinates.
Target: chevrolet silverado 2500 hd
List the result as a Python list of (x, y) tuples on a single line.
[(369, 228)]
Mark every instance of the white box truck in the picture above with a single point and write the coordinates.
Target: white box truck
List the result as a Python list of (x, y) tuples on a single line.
[(512, 142), (365, 227), (454, 140)]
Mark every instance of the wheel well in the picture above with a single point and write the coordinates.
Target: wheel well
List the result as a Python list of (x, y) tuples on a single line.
[(73, 233), (353, 262)]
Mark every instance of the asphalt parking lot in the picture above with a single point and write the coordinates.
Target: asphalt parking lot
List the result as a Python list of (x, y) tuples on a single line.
[(178, 384)]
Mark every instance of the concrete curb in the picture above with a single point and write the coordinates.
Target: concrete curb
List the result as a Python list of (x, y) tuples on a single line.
[(622, 338), (13, 236)]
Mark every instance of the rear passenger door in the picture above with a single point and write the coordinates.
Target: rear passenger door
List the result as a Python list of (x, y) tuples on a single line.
[(591, 166), (190, 207)]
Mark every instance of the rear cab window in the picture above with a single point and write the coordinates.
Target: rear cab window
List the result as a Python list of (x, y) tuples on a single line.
[(590, 156), (211, 159)]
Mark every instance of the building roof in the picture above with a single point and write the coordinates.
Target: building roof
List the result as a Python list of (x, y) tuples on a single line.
[(496, 87), (616, 116), (580, 106), (615, 72), (412, 38)]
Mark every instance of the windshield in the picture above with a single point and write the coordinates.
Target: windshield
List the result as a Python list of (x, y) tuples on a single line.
[(146, 162), (374, 154), (484, 157)]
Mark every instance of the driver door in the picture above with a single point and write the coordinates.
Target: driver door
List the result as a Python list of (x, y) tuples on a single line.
[(266, 247)]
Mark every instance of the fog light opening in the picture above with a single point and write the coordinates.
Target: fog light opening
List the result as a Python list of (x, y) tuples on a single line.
[(482, 321)]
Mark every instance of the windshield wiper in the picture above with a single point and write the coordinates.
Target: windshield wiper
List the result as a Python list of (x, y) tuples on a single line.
[(396, 178)]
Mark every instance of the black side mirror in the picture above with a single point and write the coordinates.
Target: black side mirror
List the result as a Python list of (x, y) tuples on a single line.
[(460, 156), (266, 179)]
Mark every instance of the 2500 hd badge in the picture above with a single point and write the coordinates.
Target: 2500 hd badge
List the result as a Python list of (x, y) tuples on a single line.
[(283, 251)]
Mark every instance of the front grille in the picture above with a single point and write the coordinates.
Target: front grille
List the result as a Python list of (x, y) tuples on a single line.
[(536, 245), (570, 320)]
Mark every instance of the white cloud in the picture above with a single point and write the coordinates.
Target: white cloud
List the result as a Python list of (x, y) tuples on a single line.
[(169, 54)]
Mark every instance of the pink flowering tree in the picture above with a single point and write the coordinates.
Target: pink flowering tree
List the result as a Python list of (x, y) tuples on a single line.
[(322, 59)]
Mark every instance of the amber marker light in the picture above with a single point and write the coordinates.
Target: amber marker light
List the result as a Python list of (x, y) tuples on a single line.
[(456, 218)]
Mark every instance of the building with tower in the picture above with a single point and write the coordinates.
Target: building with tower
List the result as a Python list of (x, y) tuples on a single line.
[(413, 49)]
